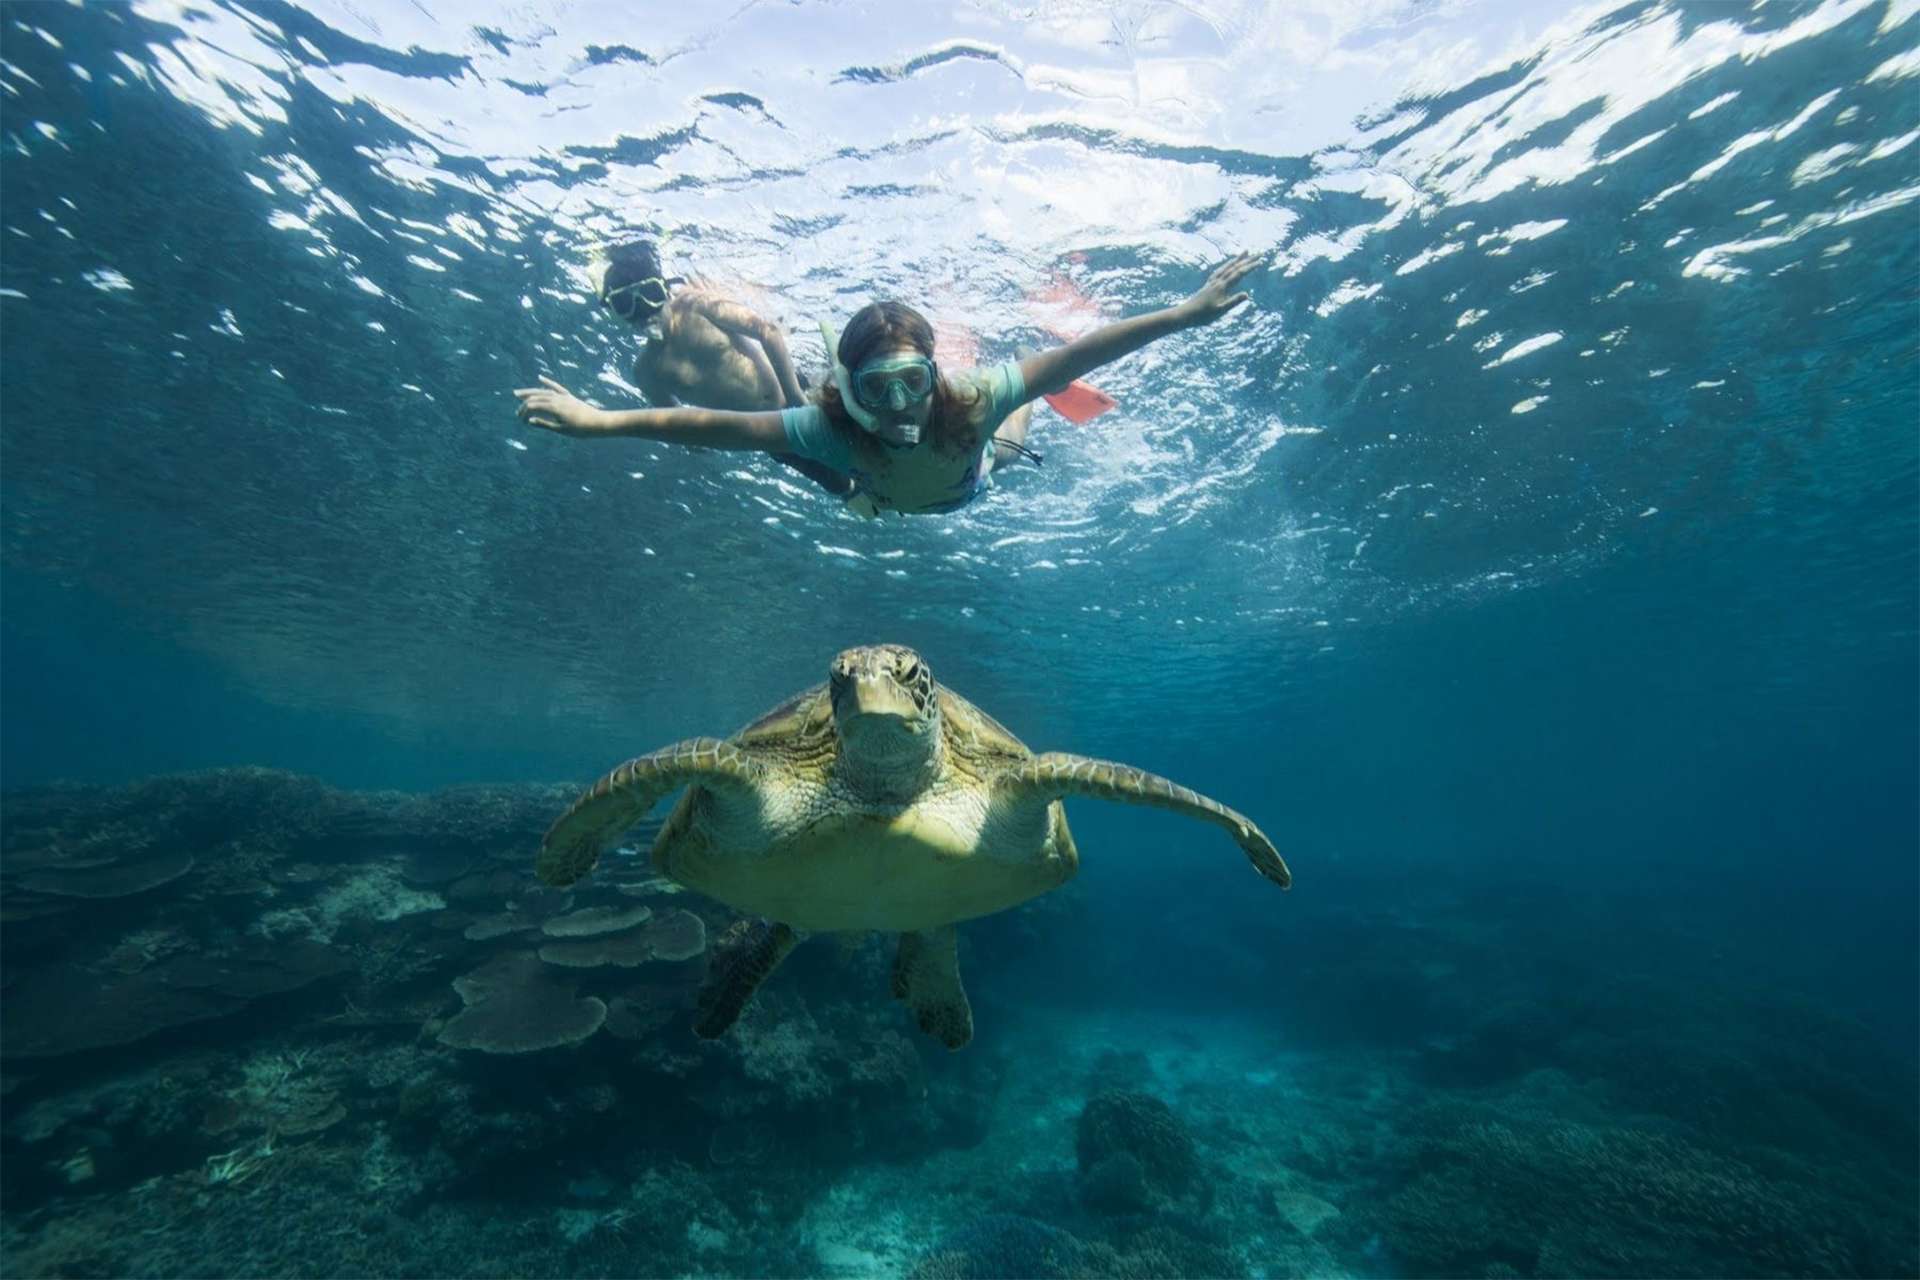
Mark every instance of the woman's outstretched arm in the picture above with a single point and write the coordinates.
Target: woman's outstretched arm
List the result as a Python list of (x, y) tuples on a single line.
[(554, 408), (1050, 370)]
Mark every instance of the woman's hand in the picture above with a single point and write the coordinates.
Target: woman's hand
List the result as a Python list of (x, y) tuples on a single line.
[(552, 406), (1045, 370), (1216, 297)]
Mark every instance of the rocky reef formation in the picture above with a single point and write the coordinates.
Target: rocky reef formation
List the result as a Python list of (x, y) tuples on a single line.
[(221, 986), (247, 1017)]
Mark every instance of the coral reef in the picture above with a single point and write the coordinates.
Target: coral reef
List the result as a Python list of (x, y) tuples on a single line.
[(513, 1005), (65, 1009), (1001, 1245), (673, 936), (284, 1094), (591, 921), (114, 880), (1519, 1186), (1133, 1153), (477, 1075), (783, 1043), (376, 895), (487, 928)]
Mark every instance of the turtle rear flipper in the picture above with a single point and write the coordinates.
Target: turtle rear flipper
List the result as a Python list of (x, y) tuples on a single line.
[(748, 952), (926, 974)]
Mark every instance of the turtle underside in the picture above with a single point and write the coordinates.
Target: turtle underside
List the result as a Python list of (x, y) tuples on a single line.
[(879, 801), (802, 848)]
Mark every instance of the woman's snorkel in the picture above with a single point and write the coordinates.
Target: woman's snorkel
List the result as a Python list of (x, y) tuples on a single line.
[(893, 433)]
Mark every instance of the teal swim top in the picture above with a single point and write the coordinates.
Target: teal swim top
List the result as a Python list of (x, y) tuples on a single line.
[(915, 479)]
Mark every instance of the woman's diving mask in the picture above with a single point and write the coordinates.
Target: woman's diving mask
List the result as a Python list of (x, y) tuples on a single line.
[(895, 384), (890, 385)]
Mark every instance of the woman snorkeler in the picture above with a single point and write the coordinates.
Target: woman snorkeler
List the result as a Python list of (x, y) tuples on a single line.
[(915, 439)]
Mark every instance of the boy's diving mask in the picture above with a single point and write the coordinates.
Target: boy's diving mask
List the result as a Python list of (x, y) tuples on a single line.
[(626, 301), (892, 384)]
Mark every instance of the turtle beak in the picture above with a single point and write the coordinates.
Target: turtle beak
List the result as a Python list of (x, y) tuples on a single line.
[(876, 695)]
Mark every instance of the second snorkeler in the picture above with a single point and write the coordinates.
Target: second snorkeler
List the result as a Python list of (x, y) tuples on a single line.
[(912, 437)]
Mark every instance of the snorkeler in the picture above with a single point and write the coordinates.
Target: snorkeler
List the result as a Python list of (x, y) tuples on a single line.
[(914, 439), (702, 347)]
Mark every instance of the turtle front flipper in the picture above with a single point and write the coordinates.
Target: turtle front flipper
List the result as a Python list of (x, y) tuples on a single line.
[(926, 974), (748, 952), (622, 798), (1056, 775)]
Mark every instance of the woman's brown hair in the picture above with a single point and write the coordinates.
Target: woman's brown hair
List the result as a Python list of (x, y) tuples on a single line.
[(955, 424)]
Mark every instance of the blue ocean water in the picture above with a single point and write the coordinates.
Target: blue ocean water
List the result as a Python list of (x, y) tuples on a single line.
[(1534, 560)]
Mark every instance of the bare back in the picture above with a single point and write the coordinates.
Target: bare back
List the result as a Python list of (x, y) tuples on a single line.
[(705, 355)]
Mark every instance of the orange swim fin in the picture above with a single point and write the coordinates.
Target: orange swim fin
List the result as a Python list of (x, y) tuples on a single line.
[(1080, 402)]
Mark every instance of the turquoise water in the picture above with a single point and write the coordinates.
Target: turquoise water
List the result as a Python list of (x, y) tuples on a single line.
[(1535, 560)]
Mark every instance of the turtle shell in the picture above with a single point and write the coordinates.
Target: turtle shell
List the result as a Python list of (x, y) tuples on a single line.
[(803, 716), (975, 735)]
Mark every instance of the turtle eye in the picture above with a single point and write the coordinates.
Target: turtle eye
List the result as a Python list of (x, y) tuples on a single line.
[(910, 672)]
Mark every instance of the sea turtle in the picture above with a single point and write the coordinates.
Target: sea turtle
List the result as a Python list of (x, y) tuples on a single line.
[(877, 801)]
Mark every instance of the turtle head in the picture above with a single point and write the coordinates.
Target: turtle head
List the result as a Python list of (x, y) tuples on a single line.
[(886, 714)]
